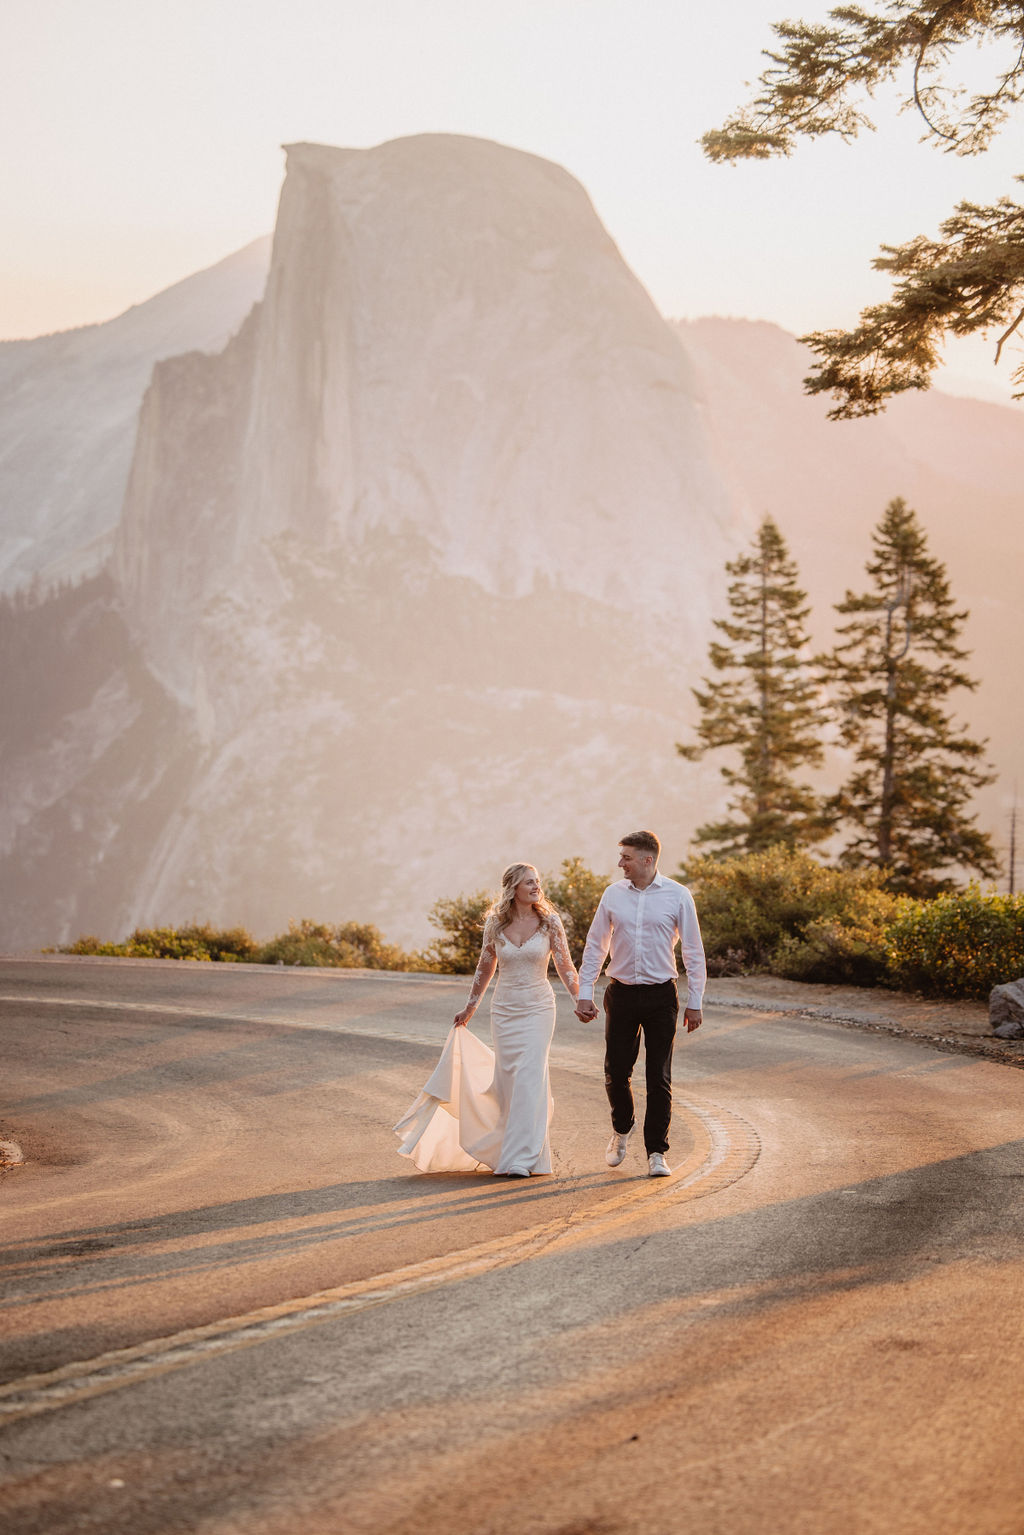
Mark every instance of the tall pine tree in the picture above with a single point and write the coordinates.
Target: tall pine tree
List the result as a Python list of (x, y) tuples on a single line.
[(893, 670), (765, 704)]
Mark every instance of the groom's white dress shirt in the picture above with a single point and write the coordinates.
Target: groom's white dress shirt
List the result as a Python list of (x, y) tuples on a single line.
[(641, 927)]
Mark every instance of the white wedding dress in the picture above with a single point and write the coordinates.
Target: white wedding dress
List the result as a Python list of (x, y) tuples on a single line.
[(493, 1109)]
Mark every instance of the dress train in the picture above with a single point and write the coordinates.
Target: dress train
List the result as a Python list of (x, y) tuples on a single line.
[(456, 1123)]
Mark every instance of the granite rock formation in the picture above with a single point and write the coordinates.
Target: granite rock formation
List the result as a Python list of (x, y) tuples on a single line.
[(69, 406), (418, 565)]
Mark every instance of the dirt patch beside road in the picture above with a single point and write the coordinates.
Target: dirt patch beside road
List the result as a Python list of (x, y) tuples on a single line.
[(962, 1027)]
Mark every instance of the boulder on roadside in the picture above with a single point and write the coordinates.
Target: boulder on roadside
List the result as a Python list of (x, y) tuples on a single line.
[(1006, 1010)]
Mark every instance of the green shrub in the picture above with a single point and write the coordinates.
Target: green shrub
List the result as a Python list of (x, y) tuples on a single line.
[(352, 945), (368, 941), (189, 942), (460, 921), (958, 945), (575, 892), (310, 943), (88, 944), (847, 952), (783, 912), (348, 946)]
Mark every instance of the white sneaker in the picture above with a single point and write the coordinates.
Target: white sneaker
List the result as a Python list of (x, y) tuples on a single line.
[(617, 1149), (658, 1167)]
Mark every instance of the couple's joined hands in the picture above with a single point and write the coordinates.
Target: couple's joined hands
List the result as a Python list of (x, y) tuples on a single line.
[(586, 1012)]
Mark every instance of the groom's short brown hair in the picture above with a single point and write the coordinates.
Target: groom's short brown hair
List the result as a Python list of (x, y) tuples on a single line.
[(643, 841)]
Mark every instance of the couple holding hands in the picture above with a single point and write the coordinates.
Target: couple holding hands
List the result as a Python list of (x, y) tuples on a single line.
[(480, 1109)]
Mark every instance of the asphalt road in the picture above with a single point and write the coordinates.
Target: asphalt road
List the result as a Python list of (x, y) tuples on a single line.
[(228, 1305)]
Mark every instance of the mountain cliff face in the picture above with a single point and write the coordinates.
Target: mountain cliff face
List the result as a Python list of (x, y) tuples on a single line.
[(451, 349), (94, 756), (69, 407), (418, 564)]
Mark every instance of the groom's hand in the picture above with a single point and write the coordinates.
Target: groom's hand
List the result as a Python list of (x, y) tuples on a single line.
[(586, 1012), (693, 1018)]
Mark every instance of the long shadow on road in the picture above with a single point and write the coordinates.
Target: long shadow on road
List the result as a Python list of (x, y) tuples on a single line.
[(555, 1313), (79, 1259)]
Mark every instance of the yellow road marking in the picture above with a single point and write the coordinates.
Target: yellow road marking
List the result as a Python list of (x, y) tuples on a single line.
[(725, 1147)]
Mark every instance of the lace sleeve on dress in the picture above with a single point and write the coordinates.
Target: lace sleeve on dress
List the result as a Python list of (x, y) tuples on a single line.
[(486, 966), (562, 957)]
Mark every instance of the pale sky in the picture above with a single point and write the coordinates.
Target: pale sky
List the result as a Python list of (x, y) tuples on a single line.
[(142, 143)]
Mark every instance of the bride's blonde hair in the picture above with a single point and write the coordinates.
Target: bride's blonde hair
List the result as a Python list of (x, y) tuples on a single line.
[(499, 914)]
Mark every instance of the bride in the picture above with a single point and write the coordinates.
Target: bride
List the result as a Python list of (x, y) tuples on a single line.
[(495, 1109)]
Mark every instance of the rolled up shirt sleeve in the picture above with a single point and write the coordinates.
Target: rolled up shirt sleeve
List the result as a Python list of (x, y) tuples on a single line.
[(596, 950), (692, 947)]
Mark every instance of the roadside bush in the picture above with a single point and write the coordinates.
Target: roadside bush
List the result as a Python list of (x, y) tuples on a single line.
[(352, 945), (959, 945), (575, 892), (783, 912), (189, 942), (348, 946), (377, 953), (310, 943), (848, 952), (460, 920)]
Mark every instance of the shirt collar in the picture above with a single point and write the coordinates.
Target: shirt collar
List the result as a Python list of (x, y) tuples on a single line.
[(659, 879)]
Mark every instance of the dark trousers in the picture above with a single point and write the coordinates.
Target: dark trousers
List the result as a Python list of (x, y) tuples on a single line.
[(628, 1012)]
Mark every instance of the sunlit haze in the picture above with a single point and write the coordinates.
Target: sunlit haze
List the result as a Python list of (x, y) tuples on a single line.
[(143, 144)]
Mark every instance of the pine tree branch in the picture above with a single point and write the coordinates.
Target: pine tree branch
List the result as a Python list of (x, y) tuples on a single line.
[(1008, 333), (969, 280), (806, 90), (920, 63)]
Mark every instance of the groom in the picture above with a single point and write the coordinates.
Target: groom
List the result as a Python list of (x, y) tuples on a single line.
[(640, 918)]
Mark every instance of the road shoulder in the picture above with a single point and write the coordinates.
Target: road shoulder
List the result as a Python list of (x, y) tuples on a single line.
[(962, 1027)]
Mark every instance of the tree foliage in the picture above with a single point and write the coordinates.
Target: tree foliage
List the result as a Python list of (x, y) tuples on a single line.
[(780, 910), (575, 892), (460, 924), (764, 704), (893, 669), (969, 279)]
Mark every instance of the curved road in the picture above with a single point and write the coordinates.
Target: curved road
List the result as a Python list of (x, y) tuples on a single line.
[(228, 1305)]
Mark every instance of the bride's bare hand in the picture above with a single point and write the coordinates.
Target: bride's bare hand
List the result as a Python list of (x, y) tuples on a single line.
[(461, 1019)]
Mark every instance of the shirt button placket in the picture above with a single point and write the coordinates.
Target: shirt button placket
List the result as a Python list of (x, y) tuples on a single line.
[(638, 945)]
